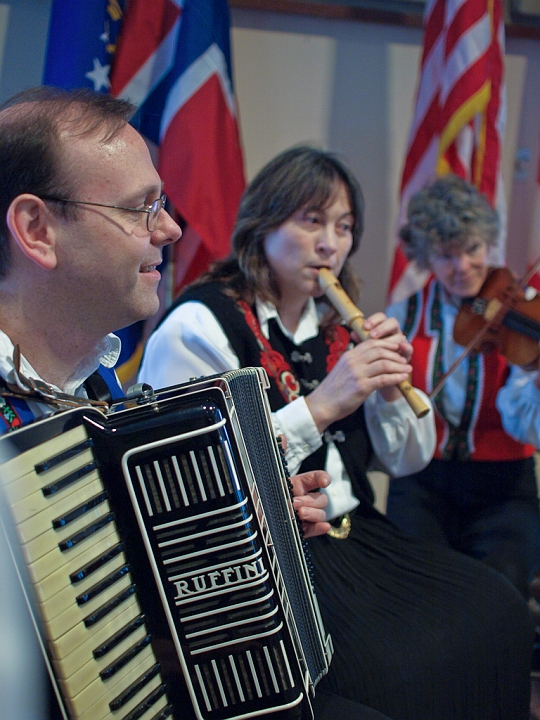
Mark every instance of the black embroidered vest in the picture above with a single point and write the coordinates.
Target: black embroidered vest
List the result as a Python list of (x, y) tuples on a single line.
[(308, 363)]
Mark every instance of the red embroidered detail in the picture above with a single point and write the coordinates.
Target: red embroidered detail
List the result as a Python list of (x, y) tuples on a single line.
[(253, 324), (276, 366), (291, 384), (271, 360), (337, 338), (9, 415)]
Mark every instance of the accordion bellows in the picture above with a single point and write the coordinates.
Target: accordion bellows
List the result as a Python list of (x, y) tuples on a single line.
[(164, 557)]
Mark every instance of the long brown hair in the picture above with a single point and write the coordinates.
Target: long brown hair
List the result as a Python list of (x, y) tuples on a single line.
[(296, 178)]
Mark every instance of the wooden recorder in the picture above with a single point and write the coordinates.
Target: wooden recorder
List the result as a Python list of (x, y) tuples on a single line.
[(354, 318)]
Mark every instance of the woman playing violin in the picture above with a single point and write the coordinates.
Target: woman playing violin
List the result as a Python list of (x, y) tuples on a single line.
[(479, 493)]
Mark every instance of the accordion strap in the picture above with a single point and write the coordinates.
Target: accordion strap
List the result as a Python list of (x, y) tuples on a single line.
[(33, 389), (97, 389)]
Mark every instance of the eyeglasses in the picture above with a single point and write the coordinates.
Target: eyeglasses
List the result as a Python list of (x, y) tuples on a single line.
[(152, 211)]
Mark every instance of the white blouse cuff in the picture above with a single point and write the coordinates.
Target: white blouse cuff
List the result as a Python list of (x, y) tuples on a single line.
[(295, 421)]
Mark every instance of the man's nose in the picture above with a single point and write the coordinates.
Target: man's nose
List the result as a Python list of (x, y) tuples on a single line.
[(167, 230)]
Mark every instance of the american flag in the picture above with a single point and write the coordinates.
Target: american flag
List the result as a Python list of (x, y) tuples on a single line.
[(174, 62), (459, 116)]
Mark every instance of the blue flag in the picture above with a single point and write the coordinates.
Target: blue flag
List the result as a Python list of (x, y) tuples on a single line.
[(80, 49), (82, 42)]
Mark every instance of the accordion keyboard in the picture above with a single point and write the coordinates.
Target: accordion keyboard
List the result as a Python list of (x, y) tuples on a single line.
[(96, 633)]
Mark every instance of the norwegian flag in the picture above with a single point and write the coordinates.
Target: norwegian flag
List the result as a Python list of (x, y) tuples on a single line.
[(173, 61), (459, 117)]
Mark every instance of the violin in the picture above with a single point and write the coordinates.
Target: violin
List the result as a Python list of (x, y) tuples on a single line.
[(501, 318)]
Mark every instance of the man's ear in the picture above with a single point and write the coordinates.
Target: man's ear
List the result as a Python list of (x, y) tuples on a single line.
[(32, 227)]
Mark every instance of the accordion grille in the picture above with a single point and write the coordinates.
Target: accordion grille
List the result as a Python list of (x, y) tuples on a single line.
[(206, 540)]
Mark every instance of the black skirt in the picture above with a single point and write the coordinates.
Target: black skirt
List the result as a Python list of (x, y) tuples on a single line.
[(421, 632)]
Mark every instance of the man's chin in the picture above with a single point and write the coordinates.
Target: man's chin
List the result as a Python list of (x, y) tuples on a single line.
[(145, 311)]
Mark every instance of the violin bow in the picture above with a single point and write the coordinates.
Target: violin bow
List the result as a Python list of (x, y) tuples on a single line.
[(520, 285)]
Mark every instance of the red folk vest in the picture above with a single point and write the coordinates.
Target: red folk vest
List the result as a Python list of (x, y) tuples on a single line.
[(481, 435)]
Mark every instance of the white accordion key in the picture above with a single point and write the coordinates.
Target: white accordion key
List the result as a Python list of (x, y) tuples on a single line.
[(19, 465), (99, 692), (39, 513), (62, 600), (154, 698), (76, 648), (51, 577), (94, 628)]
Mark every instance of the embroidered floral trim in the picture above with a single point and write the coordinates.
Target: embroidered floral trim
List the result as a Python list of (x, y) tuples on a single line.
[(271, 360), (336, 337), (9, 415)]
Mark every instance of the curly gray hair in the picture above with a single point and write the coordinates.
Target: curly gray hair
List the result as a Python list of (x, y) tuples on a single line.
[(442, 217)]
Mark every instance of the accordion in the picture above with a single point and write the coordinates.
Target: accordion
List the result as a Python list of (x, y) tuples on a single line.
[(166, 566)]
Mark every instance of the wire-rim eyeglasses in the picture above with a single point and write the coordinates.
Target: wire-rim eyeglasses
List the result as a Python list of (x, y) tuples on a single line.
[(152, 211)]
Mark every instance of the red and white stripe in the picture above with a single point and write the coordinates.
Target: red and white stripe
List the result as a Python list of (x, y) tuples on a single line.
[(147, 61), (460, 113), (200, 156)]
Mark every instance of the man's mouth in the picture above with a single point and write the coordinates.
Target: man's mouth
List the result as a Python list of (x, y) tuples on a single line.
[(147, 268)]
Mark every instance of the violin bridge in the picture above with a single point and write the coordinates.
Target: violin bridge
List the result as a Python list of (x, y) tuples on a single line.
[(492, 308)]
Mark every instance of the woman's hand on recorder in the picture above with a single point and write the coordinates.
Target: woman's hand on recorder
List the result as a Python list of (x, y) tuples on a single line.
[(378, 363)]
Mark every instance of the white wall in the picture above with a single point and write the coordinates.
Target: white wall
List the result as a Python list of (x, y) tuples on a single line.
[(4, 20), (350, 87), (23, 27), (340, 85), (524, 187)]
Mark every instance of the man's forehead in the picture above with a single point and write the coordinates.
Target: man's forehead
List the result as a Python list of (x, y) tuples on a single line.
[(13, 111), (125, 155), (99, 144), (72, 130)]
